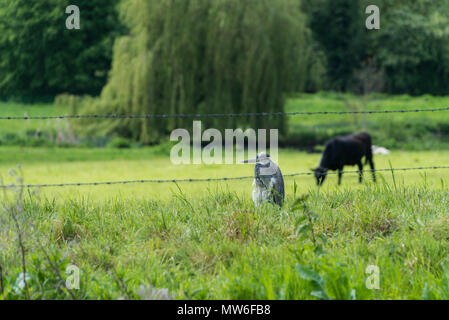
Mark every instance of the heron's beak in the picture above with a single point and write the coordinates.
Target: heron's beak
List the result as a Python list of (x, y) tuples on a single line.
[(250, 161)]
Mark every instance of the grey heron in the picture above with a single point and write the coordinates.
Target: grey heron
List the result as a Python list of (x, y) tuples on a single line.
[(268, 181)]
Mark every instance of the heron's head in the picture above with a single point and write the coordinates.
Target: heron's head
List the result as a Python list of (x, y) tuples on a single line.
[(262, 158), (320, 175)]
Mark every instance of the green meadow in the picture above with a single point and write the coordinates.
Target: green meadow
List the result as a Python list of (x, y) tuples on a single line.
[(76, 223), (72, 165), (207, 240)]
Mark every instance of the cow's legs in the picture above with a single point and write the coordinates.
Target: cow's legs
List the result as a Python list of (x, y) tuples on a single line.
[(371, 163), (340, 174), (360, 172)]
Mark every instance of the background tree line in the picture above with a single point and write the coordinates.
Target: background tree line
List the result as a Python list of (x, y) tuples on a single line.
[(40, 58), (183, 56)]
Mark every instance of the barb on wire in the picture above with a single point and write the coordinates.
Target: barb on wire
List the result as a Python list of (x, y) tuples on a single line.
[(218, 115), (161, 181)]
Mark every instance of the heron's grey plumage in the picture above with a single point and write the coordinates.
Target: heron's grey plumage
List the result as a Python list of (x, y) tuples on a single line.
[(268, 181)]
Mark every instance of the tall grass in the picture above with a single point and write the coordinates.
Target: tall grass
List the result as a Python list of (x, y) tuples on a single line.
[(219, 246)]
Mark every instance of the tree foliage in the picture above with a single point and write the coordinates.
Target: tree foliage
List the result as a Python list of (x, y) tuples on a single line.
[(40, 57), (411, 48), (217, 55), (195, 56), (338, 25), (414, 46)]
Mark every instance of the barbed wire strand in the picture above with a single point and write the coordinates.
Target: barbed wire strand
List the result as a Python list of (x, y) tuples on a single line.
[(218, 115), (161, 181)]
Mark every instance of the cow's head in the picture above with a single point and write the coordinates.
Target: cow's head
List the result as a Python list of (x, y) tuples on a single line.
[(320, 175)]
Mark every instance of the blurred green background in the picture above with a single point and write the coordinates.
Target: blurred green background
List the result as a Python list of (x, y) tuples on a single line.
[(150, 57)]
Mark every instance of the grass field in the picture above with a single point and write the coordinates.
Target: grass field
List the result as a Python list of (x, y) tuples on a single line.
[(208, 241), (408, 131), (57, 165), (21, 110)]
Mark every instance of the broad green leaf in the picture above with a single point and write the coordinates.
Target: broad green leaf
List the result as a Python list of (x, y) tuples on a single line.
[(308, 274)]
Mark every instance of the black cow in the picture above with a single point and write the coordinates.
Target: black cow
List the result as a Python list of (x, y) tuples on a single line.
[(347, 150)]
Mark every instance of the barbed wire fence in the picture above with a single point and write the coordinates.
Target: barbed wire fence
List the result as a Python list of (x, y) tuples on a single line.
[(214, 115), (161, 181), (218, 115)]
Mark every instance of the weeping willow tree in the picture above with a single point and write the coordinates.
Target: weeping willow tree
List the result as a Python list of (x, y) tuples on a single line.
[(206, 56)]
